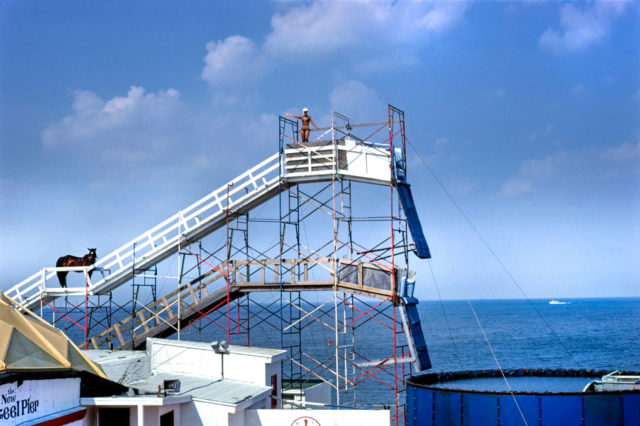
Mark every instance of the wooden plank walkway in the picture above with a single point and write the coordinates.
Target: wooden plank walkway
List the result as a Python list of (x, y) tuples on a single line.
[(192, 300)]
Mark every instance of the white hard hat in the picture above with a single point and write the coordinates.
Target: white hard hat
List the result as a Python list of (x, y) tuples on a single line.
[(305, 109)]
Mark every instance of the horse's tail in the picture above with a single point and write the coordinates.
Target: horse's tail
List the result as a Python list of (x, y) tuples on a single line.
[(62, 277)]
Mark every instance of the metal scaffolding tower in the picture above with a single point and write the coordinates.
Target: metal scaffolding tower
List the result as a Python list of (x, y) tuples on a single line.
[(329, 286)]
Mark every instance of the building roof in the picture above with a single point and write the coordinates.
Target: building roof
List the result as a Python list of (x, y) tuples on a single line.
[(226, 392), (122, 367), (132, 369), (30, 344), (269, 354)]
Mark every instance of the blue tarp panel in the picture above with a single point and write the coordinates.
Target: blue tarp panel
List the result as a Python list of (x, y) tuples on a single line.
[(447, 408), (418, 336), (479, 409), (404, 191), (561, 410), (484, 408), (631, 409), (419, 406), (510, 415), (603, 409)]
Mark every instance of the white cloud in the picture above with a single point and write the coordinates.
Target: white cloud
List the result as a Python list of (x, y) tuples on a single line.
[(462, 185), (543, 167), (626, 152), (622, 161), (442, 15), (534, 172), (235, 60), (516, 186), (582, 27), (152, 139), (356, 99), (366, 36), (325, 27), (441, 143), (571, 170), (542, 133), (438, 151), (123, 128), (310, 32)]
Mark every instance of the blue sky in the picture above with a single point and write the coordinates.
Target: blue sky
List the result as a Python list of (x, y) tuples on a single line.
[(115, 115)]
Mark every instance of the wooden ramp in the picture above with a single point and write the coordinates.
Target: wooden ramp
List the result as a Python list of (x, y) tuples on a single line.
[(349, 160), (197, 298)]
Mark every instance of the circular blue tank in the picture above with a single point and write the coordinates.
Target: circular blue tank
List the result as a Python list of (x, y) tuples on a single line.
[(541, 396)]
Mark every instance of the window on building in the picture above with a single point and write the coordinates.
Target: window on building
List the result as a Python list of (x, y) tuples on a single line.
[(274, 391), (113, 416), (166, 419)]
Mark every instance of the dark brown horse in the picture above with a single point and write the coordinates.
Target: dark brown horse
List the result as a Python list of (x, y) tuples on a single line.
[(68, 260)]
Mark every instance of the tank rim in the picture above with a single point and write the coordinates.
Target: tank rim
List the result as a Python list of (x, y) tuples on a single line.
[(428, 380)]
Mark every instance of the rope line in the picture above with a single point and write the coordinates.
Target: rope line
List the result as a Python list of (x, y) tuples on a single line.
[(444, 312), (493, 253), (493, 354)]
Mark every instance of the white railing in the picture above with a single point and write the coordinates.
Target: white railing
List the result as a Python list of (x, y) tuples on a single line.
[(360, 162), (158, 242)]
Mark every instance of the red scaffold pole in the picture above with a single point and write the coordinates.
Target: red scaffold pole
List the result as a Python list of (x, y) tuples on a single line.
[(393, 265), (86, 311), (227, 274)]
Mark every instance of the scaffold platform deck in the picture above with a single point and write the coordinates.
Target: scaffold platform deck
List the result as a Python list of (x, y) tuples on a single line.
[(194, 299)]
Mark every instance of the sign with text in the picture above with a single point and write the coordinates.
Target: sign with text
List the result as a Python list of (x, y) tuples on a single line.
[(32, 399)]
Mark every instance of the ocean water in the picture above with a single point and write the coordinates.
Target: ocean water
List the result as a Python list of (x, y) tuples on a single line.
[(583, 333)]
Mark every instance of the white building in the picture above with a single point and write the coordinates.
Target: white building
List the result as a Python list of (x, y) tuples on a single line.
[(188, 383), (180, 382)]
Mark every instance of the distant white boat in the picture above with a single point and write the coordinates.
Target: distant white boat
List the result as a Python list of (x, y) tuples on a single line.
[(557, 302)]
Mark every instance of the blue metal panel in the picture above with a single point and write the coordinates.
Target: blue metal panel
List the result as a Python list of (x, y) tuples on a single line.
[(411, 405), (603, 410), (447, 408), (454, 407), (415, 328), (509, 414), (561, 410), (419, 406), (409, 207), (479, 409), (631, 409)]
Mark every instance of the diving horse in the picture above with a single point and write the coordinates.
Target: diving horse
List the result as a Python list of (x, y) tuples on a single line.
[(68, 260)]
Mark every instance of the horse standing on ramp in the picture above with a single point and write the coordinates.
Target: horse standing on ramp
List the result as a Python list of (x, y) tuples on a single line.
[(68, 260)]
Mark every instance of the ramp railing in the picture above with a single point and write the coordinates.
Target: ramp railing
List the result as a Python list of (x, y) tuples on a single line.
[(196, 298), (366, 163), (159, 242)]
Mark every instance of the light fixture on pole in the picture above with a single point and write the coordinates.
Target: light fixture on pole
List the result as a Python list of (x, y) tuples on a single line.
[(221, 348)]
